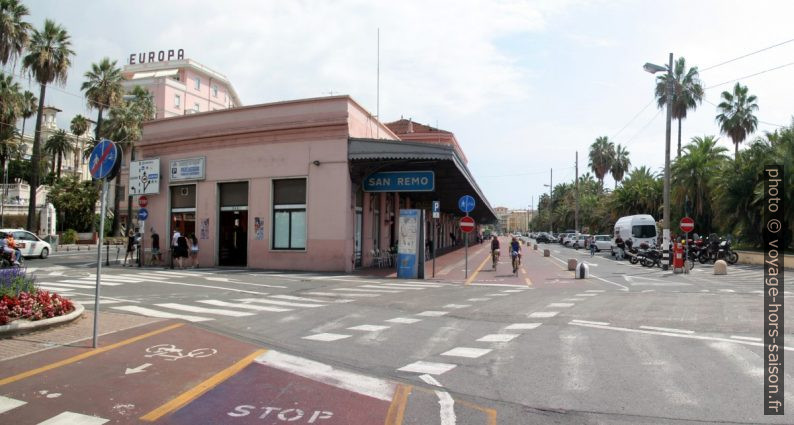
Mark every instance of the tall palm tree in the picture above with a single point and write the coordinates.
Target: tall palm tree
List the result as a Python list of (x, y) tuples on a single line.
[(11, 109), (602, 153), (621, 164), (124, 126), (14, 32), (78, 127), (58, 145), (687, 92), (48, 60), (694, 174), (103, 88), (737, 119), (28, 104)]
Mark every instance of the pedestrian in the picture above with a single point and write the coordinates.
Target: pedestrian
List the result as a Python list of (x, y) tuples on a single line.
[(181, 250), (621, 246), (156, 248), (130, 248), (174, 238), (194, 249), (452, 238), (592, 246)]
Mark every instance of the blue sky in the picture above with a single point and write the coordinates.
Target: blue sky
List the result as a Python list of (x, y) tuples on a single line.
[(523, 85)]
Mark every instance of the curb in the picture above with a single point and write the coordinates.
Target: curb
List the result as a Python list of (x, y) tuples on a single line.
[(19, 326)]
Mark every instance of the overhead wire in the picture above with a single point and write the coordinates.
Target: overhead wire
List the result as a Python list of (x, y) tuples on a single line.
[(746, 55)]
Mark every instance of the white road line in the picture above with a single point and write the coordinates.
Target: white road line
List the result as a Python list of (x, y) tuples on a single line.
[(276, 302), (587, 322), (498, 295), (222, 288), (478, 299), (181, 274), (327, 374), (574, 299), (326, 337), (497, 338), (91, 282), (389, 287), (71, 418), (595, 290), (7, 404), (500, 285), (204, 310), (369, 328), (445, 401), (244, 306), (468, 352), (294, 298), (145, 276), (654, 328), (510, 291), (51, 288), (727, 290), (101, 301), (116, 278), (369, 291), (68, 285), (747, 338), (404, 320), (161, 314), (331, 294), (522, 326), (432, 313), (560, 305), (586, 295), (542, 314), (409, 285), (457, 305), (428, 367)]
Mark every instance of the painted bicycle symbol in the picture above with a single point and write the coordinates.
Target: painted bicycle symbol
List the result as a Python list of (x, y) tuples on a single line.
[(171, 353)]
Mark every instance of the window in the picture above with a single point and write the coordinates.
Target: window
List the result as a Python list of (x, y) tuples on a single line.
[(196, 107), (644, 231), (214, 90), (197, 84), (289, 214), (177, 101)]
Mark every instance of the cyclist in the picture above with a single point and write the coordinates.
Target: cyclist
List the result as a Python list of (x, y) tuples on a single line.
[(515, 253), (495, 250)]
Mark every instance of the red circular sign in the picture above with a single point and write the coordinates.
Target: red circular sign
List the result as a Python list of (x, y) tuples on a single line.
[(143, 201), (687, 225), (467, 224)]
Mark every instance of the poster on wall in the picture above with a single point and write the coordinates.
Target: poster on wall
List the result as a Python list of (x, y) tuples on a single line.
[(187, 169), (259, 228), (205, 226), (410, 245)]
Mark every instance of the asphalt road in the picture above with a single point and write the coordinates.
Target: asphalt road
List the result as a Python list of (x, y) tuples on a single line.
[(629, 345)]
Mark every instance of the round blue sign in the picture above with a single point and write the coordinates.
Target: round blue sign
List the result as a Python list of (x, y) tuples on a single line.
[(143, 214), (103, 159), (466, 203)]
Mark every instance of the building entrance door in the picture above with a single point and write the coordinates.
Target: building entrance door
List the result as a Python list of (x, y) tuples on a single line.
[(233, 243)]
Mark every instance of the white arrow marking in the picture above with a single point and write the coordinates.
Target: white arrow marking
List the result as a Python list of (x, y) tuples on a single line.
[(138, 369)]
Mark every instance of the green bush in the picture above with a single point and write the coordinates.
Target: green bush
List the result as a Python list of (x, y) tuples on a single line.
[(69, 237), (14, 280)]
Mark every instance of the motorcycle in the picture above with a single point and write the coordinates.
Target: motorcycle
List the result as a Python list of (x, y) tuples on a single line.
[(5, 260), (653, 257), (717, 249)]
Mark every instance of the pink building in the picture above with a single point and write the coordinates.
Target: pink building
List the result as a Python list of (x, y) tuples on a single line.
[(181, 87), (280, 185)]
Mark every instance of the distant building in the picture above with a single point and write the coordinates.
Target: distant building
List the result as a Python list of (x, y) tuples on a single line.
[(518, 221), (181, 86)]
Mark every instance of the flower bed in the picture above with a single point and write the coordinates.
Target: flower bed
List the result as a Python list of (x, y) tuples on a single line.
[(20, 299)]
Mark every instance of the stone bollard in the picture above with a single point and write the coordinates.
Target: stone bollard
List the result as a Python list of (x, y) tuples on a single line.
[(582, 271), (536, 247), (546, 253), (571, 265), (720, 267)]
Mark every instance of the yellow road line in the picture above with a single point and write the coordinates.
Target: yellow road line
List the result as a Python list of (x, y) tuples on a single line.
[(396, 411), (473, 275), (85, 355), (186, 397)]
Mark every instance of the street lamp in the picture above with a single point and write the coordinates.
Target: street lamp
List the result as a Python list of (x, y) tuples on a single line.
[(652, 68), (551, 204)]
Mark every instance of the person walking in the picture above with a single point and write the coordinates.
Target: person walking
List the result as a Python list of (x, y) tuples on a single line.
[(181, 250), (194, 249), (592, 246), (156, 255), (130, 248)]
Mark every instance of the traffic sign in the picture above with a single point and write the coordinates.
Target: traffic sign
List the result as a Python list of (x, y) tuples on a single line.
[(466, 203), (436, 209), (104, 160), (143, 214), (143, 201), (466, 224), (687, 225)]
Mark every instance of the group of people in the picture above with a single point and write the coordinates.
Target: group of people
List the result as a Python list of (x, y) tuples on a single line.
[(515, 252), (182, 247), (10, 249)]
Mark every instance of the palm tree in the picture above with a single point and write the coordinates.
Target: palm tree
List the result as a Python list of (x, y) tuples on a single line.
[(737, 119), (13, 30), (621, 164), (48, 60), (102, 88), (124, 126), (58, 145), (602, 153), (78, 126), (28, 104), (694, 175), (10, 110), (687, 92)]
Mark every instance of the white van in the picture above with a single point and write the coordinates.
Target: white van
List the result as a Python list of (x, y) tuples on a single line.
[(639, 228)]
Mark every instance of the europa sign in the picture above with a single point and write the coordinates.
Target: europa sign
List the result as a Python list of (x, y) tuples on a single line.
[(159, 56), (400, 181)]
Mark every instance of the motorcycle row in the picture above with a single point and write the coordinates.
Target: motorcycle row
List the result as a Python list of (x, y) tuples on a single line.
[(701, 250)]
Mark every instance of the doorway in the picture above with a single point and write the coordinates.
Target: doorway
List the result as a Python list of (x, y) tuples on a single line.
[(233, 224)]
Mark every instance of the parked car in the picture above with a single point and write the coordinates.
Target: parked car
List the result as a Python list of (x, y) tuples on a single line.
[(603, 242), (639, 228), (567, 238), (545, 238), (579, 241), (28, 243)]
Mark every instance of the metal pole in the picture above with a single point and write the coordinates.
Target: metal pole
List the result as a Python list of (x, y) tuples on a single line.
[(99, 257), (5, 192), (466, 251), (434, 242), (551, 203), (668, 131), (141, 251), (576, 210)]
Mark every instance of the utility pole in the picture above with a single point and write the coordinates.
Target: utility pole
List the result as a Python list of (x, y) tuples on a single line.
[(668, 131), (576, 186), (551, 203)]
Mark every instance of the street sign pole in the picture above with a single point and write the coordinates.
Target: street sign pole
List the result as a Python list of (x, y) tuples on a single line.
[(466, 251), (433, 241), (99, 256)]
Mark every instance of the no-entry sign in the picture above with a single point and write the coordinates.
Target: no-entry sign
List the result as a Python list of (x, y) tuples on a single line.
[(466, 224), (143, 201), (687, 225)]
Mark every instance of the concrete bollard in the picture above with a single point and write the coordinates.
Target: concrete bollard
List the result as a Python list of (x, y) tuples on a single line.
[(571, 265), (720, 267), (536, 247), (582, 271), (546, 253)]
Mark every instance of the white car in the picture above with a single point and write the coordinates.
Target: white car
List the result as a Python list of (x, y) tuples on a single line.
[(603, 242), (29, 244), (567, 238), (579, 241)]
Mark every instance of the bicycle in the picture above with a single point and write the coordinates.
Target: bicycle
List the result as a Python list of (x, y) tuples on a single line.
[(495, 257), (516, 261), (172, 353)]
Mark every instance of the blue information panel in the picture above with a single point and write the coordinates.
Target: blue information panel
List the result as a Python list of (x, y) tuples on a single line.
[(408, 244), (143, 214), (400, 181), (466, 203), (103, 159)]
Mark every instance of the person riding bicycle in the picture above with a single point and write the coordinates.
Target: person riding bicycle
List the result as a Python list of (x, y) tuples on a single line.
[(10, 248), (495, 250), (515, 253)]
